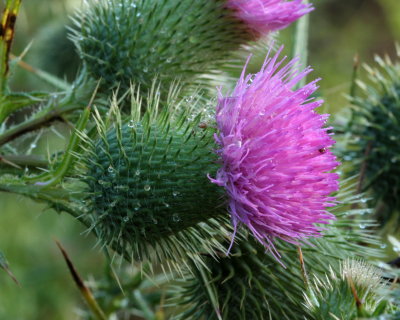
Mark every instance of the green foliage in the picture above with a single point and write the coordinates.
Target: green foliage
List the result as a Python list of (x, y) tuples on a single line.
[(147, 183), (124, 41), (374, 133)]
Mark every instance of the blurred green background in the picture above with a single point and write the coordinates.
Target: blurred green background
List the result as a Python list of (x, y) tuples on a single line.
[(338, 30)]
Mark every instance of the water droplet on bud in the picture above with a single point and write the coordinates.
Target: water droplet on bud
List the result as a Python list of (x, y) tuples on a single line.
[(147, 187)]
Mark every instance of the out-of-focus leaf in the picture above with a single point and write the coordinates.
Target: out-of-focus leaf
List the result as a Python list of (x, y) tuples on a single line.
[(4, 265)]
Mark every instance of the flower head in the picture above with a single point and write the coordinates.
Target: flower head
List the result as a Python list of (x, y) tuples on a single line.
[(275, 156), (264, 16)]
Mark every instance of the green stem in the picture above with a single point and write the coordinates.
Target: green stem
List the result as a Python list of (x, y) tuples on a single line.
[(300, 48), (56, 197), (41, 119), (8, 20), (24, 161), (43, 75)]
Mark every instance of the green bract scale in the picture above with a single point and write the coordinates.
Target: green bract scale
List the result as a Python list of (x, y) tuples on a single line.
[(375, 143), (147, 183), (124, 41)]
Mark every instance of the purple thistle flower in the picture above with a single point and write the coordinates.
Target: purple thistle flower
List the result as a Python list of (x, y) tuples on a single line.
[(275, 156), (264, 16)]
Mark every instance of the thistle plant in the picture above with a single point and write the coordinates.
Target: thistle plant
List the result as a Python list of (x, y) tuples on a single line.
[(229, 203), (372, 135)]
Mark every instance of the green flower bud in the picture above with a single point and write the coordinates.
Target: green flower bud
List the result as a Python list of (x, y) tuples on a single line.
[(147, 183), (351, 294), (124, 41)]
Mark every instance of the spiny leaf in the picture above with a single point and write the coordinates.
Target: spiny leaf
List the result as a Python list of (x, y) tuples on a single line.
[(85, 291)]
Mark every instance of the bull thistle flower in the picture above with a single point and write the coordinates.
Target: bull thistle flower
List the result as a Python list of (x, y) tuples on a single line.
[(124, 41), (274, 155), (264, 16)]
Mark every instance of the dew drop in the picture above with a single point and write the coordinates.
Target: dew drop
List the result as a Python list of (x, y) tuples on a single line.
[(113, 204), (166, 205), (126, 219), (138, 14), (101, 182), (137, 172), (168, 60), (175, 193), (147, 187), (362, 226), (239, 143), (155, 221), (110, 169), (396, 249), (176, 217), (131, 124), (383, 246), (145, 69), (33, 145)]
